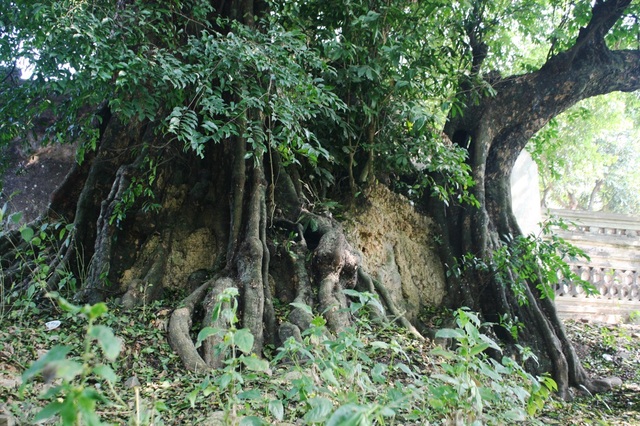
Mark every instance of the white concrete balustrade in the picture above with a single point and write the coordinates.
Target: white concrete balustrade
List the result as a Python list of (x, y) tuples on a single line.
[(613, 244)]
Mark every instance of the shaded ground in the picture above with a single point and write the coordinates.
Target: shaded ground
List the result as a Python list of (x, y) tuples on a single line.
[(605, 350), (152, 377)]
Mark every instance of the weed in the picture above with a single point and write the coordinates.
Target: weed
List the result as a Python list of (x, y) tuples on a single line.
[(34, 248), (472, 384), (366, 374), (72, 397), (235, 346)]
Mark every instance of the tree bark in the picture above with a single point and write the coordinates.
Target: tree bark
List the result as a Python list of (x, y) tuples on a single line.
[(496, 130)]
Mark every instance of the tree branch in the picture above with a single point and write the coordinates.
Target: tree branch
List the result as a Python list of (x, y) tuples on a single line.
[(525, 104), (604, 15), (590, 45)]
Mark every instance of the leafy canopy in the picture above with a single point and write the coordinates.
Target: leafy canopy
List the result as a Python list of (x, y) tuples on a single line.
[(351, 88), (588, 162), (321, 81), (166, 63)]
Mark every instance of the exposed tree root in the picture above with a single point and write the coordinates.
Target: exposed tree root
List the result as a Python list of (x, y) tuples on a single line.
[(180, 329), (335, 267), (388, 301), (250, 261), (299, 319)]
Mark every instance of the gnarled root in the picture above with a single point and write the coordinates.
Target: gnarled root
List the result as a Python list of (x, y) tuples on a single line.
[(180, 327), (335, 266)]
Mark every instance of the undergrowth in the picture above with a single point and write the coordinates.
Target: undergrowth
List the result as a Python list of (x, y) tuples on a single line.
[(102, 365), (106, 366)]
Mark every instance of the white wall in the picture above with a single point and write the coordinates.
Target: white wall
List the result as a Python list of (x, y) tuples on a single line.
[(525, 194)]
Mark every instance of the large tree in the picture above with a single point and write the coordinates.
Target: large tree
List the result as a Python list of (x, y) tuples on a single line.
[(211, 131), (496, 129)]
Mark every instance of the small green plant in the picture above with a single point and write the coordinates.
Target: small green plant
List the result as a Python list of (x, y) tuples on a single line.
[(73, 398), (34, 249), (140, 188), (634, 317), (609, 339), (512, 325), (366, 307), (235, 348), (540, 259), (475, 389)]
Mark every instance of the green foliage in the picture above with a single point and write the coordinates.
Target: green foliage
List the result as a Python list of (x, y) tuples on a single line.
[(203, 81), (269, 73), (393, 67), (365, 375), (164, 385), (542, 260), (32, 252), (351, 88), (472, 383), (360, 377), (73, 400), (520, 261), (364, 305), (194, 76), (443, 169), (587, 162), (139, 188), (235, 348)]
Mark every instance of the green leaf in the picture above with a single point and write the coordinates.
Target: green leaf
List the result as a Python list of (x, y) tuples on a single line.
[(215, 315), (479, 348), (276, 409), (438, 351), (64, 304), (15, 217), (191, 397), (320, 410), (55, 354), (447, 379), (66, 369), (489, 341), (404, 368), (348, 415), (449, 333), (387, 412), (106, 373), (252, 421), (244, 340), (378, 373), (302, 306), (110, 344), (27, 234), (254, 363), (96, 311), (515, 415), (330, 377), (352, 293), (206, 332), (50, 410), (380, 345), (249, 395)]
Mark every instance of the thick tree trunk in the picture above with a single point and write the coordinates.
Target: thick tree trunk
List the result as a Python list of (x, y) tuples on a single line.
[(496, 130)]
